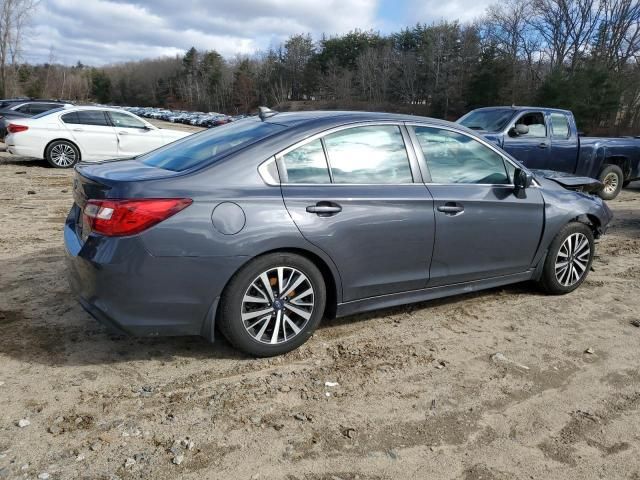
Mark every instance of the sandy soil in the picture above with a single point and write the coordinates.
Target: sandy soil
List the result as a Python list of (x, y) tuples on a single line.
[(419, 394)]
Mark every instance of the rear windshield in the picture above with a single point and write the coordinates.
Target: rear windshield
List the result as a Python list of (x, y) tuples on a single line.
[(208, 146), (492, 120), (48, 112)]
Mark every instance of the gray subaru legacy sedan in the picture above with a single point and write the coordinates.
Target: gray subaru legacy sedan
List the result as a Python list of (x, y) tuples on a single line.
[(264, 226)]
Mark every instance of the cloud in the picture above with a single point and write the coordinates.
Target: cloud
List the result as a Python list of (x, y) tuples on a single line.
[(99, 32)]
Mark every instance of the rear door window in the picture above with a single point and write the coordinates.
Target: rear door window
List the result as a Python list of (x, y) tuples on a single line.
[(306, 164), (368, 155), (559, 125), (86, 117)]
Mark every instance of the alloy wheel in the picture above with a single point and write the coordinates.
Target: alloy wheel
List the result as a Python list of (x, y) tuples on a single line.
[(277, 305), (610, 182), (572, 259), (63, 155)]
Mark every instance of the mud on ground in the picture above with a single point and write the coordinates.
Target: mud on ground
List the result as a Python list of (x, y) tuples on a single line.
[(418, 393)]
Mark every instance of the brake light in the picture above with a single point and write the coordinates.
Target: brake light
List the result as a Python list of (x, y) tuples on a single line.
[(115, 218), (15, 128)]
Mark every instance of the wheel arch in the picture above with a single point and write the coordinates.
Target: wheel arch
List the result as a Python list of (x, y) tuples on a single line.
[(621, 161), (331, 277), (46, 147), (590, 220)]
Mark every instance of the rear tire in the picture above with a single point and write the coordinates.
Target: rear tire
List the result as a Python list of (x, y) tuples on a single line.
[(612, 178), (568, 260), (272, 305), (62, 154)]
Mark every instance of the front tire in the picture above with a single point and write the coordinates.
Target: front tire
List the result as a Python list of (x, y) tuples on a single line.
[(612, 179), (62, 154), (272, 305), (568, 260)]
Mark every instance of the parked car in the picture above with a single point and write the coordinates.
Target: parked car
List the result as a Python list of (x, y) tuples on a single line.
[(265, 225), (547, 138), (68, 135), (22, 108)]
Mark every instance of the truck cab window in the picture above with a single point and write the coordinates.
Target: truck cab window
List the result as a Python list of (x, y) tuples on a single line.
[(535, 122)]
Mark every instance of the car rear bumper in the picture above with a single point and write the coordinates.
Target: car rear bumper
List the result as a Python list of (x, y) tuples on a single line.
[(121, 285)]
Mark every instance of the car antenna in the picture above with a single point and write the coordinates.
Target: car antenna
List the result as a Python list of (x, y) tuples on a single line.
[(265, 112)]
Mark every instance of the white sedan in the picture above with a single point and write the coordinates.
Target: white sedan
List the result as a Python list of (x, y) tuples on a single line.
[(66, 136)]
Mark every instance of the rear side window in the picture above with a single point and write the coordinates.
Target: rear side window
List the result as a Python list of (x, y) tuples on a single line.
[(23, 108), (559, 125), (372, 154), (306, 164), (456, 158), (210, 145), (126, 121), (86, 117), (42, 107)]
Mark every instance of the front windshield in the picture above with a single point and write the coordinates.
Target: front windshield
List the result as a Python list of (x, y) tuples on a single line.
[(208, 146), (492, 120)]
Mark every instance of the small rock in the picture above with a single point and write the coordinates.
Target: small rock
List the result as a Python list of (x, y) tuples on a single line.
[(441, 364), (590, 351), (43, 476), (31, 192), (23, 422), (393, 454), (285, 388), (54, 430), (256, 420), (25, 467), (80, 458), (635, 323), (129, 462), (301, 417), (1, 384), (178, 459), (190, 445), (331, 384), (21, 172)]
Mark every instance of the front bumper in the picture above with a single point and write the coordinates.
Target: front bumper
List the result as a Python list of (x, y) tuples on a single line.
[(121, 285)]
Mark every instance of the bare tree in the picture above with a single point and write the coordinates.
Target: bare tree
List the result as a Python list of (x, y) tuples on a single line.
[(14, 17)]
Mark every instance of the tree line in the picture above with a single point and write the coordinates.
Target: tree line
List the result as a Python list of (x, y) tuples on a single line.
[(583, 55)]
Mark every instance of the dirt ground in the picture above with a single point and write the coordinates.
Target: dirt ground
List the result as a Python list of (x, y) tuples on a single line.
[(418, 391)]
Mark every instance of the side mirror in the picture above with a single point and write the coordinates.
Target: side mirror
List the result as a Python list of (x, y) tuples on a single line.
[(522, 179)]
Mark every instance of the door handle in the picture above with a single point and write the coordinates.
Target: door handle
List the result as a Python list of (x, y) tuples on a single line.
[(542, 145), (78, 129), (123, 133), (324, 209), (451, 208)]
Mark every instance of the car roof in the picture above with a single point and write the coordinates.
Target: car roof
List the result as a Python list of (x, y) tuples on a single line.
[(519, 108), (341, 117)]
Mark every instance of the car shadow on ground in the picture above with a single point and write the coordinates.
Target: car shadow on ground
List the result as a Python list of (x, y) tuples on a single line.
[(43, 323)]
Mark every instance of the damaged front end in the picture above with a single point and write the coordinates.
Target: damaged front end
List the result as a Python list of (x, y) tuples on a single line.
[(571, 182)]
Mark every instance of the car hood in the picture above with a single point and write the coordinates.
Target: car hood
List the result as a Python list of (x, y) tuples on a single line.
[(569, 181)]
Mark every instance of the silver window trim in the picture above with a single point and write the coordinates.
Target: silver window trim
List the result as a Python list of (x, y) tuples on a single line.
[(482, 141)]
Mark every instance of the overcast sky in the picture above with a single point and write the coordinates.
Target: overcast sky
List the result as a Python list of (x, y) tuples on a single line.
[(99, 32)]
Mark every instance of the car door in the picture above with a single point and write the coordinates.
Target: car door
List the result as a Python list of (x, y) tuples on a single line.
[(484, 227), (356, 193), (532, 149), (93, 132), (564, 143), (134, 135)]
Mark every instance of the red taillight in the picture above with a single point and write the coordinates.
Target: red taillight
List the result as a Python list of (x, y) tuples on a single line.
[(15, 128), (115, 218)]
